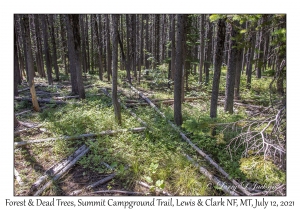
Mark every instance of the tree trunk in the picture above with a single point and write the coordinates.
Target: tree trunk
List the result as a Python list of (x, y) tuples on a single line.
[(239, 66), (133, 45), (16, 122), (250, 60), (38, 52), (92, 43), (35, 103), (108, 49), (209, 52), (173, 47), (24, 45), (117, 107), (128, 52), (72, 55), (147, 42), (97, 38), (74, 21), (261, 52), (54, 54), (202, 47), (83, 47), (16, 65), (64, 42), (231, 72), (217, 68), (156, 39), (46, 50), (178, 69)]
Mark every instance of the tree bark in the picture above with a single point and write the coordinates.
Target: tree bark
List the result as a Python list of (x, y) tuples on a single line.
[(46, 50), (117, 107), (250, 60), (39, 55), (128, 51), (16, 65), (54, 54), (24, 45), (173, 52), (108, 48), (35, 103), (97, 37), (202, 47), (209, 52), (231, 72), (83, 46), (178, 69), (64, 42), (217, 68)]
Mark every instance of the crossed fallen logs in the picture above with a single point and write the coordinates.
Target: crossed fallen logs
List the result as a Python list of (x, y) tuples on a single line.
[(59, 169)]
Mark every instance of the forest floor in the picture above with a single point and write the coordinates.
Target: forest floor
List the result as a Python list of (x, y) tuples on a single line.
[(150, 162)]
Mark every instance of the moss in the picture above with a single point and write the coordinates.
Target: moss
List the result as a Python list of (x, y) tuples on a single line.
[(262, 171)]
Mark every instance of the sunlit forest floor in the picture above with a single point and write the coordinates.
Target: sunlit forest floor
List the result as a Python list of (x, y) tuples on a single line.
[(151, 162)]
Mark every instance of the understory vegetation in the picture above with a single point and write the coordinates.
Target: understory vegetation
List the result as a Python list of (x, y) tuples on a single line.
[(155, 156)]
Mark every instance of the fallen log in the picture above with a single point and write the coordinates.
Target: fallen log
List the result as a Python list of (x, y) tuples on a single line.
[(126, 108), (62, 172), (53, 170), (28, 129), (102, 181), (118, 191), (183, 136), (225, 187), (156, 190), (25, 89), (29, 125), (90, 135), (18, 178), (40, 100)]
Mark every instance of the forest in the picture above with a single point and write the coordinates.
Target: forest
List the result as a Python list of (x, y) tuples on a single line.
[(149, 104)]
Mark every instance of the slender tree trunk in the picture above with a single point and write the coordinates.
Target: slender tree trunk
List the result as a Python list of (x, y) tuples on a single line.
[(38, 56), (250, 60), (16, 65), (128, 52), (209, 52), (92, 43), (46, 50), (72, 55), (74, 24), (16, 122), (202, 47), (54, 54), (133, 45), (173, 51), (147, 42), (156, 38), (117, 107), (108, 49), (231, 72), (178, 70), (217, 67), (83, 47), (87, 38), (35, 103), (141, 47), (239, 66), (64, 42), (97, 38), (261, 52), (24, 45)]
